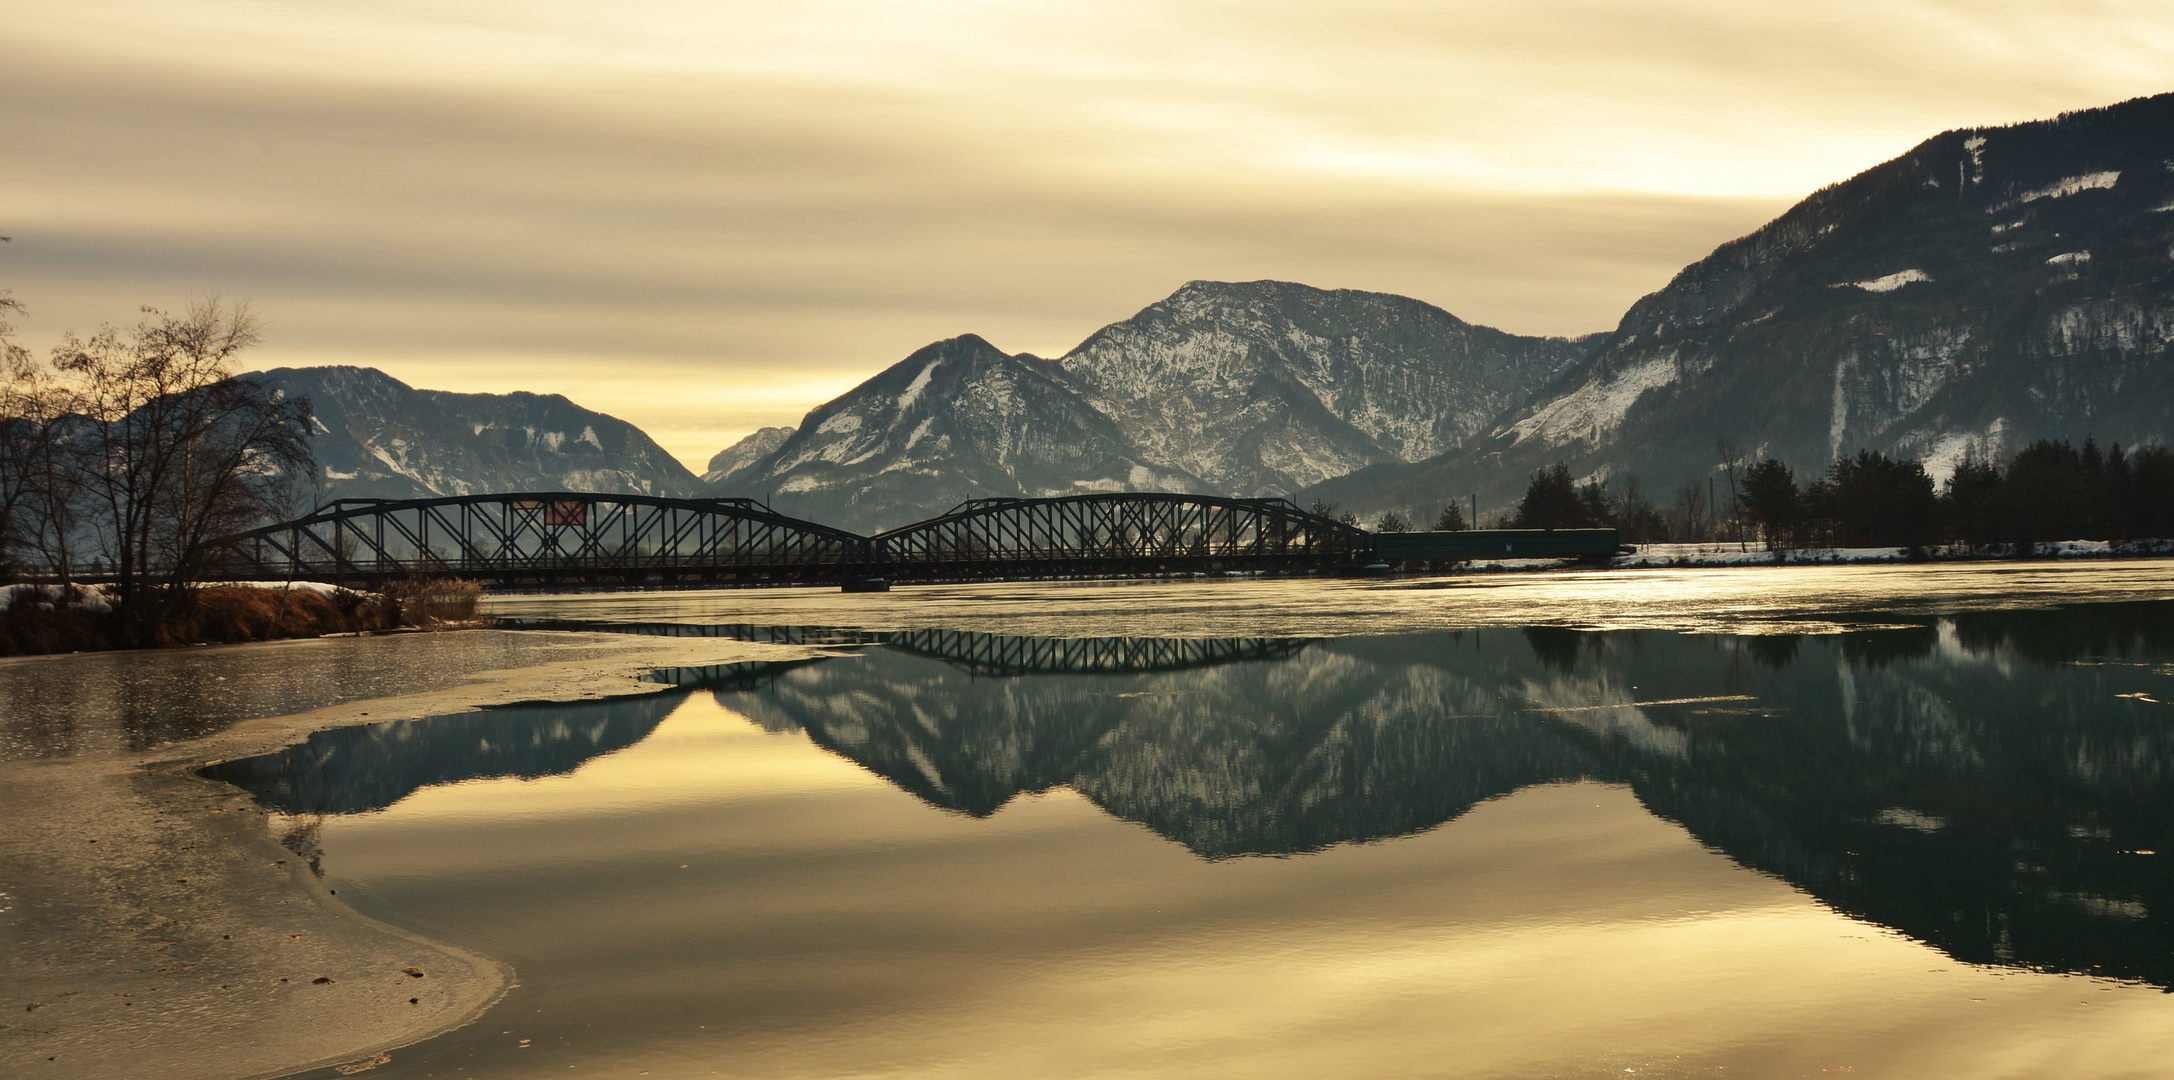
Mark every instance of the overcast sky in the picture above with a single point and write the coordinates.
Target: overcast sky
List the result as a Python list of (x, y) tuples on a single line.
[(704, 216)]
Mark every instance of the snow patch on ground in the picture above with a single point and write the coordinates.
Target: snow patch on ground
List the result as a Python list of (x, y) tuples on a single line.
[(1950, 449), (552, 440), (1598, 407), (1888, 283), (920, 383), (920, 431), (2069, 258), (844, 423), (320, 588), (399, 464), (588, 435), (2059, 189), (96, 599), (1838, 419), (1722, 555), (90, 599), (2097, 181)]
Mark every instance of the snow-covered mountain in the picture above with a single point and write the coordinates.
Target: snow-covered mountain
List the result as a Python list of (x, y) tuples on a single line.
[(957, 420), (378, 437), (1264, 387), (746, 452), (1990, 287), (1255, 388)]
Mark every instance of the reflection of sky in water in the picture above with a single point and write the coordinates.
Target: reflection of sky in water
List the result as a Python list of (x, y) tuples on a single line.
[(1500, 852), (1754, 600)]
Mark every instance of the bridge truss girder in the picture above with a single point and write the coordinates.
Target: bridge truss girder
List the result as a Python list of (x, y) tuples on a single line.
[(548, 538), (1115, 534)]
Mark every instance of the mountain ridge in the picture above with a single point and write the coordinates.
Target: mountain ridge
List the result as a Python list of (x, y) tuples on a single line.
[(1986, 288), (378, 437), (1229, 388)]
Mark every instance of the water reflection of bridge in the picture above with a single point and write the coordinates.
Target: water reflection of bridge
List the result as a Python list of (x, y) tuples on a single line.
[(988, 654)]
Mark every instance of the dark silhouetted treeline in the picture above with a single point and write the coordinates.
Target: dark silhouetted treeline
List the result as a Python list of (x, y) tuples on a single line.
[(2051, 490)]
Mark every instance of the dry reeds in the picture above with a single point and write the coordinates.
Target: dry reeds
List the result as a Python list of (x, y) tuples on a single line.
[(231, 613), (434, 603), (235, 613)]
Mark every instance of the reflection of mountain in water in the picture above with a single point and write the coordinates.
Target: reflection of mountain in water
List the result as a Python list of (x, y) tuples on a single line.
[(353, 770), (1980, 783), (1975, 783), (1281, 748)]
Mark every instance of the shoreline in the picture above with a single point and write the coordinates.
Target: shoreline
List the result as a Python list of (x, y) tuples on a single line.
[(154, 926)]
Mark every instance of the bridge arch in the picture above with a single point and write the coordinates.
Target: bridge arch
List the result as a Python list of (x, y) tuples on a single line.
[(547, 538), (1115, 533)]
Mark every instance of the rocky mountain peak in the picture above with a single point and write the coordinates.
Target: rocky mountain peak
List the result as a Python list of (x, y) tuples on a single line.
[(1265, 386), (379, 437), (959, 419)]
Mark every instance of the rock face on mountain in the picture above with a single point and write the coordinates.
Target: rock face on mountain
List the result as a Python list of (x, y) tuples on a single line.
[(1983, 290), (746, 452), (1244, 389), (378, 437), (957, 420), (1265, 387)]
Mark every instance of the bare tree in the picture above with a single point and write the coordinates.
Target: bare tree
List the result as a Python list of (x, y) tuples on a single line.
[(34, 487), (170, 451), (1731, 468), (17, 376), (1689, 519)]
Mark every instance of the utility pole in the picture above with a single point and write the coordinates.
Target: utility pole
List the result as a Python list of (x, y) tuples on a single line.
[(1473, 522)]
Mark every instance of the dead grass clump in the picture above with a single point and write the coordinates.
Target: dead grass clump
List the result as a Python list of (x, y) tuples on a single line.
[(435, 602), (243, 614)]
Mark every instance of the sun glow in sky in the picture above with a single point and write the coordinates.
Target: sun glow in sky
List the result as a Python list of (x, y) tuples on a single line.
[(705, 217)]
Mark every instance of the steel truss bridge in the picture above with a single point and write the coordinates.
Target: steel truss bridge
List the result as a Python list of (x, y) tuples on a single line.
[(561, 538), (558, 538)]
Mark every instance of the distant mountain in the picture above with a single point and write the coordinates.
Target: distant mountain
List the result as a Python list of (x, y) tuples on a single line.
[(746, 452), (378, 437), (1990, 287), (957, 420), (1264, 387), (1238, 389)]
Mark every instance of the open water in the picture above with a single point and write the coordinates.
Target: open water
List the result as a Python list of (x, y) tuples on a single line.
[(1885, 823)]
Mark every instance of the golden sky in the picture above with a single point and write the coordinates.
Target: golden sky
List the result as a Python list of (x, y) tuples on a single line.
[(704, 216)]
